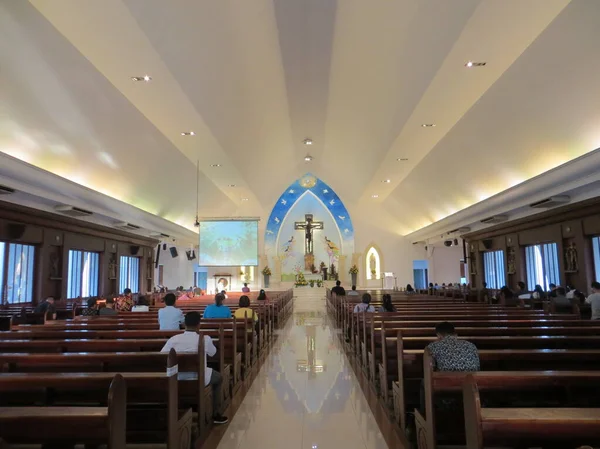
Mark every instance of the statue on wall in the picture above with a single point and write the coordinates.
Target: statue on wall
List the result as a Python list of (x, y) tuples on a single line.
[(571, 264), (511, 262), (54, 266), (112, 268)]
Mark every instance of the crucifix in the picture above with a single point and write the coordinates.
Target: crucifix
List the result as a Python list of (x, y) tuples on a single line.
[(308, 226)]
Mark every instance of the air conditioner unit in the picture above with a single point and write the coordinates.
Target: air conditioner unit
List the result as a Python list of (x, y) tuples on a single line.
[(159, 235), (126, 226), (72, 211), (551, 202), (460, 230), (495, 219), (6, 190)]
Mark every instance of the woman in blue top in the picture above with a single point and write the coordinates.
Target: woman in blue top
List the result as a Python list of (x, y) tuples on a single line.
[(217, 310)]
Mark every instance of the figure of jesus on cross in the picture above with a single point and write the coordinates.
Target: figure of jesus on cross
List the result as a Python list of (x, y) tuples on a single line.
[(308, 226)]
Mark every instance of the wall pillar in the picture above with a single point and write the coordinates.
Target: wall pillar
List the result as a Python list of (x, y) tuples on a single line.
[(276, 270), (343, 269)]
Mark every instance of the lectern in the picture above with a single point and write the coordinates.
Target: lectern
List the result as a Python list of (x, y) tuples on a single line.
[(388, 281)]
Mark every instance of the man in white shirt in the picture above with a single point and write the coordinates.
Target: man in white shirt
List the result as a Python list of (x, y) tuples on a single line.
[(353, 292), (594, 300), (188, 342), (170, 317)]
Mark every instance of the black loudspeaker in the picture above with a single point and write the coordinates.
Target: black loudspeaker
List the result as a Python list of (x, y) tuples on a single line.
[(455, 242), (191, 255), (157, 256), (447, 242), (15, 231), (164, 246), (173, 251), (134, 250), (487, 244)]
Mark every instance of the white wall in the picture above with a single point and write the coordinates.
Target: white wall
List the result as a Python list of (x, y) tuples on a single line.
[(176, 270), (444, 264)]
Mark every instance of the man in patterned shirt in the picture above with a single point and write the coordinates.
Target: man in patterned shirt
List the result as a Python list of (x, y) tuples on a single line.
[(451, 354)]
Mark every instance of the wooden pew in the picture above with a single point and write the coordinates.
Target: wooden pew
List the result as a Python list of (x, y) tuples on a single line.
[(145, 390), (449, 423), (560, 427), (90, 425)]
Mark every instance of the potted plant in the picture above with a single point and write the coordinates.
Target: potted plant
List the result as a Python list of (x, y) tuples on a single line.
[(266, 271), (312, 283), (353, 273), (319, 283)]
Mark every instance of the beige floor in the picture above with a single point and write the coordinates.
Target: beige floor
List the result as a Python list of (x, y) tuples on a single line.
[(306, 395)]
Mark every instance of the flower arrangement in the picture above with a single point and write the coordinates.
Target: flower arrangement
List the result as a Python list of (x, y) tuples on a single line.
[(353, 269), (301, 280), (266, 271), (242, 273), (312, 283), (319, 283)]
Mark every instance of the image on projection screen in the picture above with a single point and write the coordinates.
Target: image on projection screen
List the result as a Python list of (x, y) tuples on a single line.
[(228, 243)]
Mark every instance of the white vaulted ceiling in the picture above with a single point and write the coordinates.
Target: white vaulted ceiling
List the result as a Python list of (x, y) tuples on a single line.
[(253, 79)]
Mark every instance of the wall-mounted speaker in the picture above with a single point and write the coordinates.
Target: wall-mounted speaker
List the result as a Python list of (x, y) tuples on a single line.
[(15, 231), (164, 246), (455, 242), (173, 251), (487, 243), (135, 249), (191, 255)]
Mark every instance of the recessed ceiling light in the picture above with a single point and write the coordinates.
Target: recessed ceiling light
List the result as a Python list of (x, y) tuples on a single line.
[(375, 196), (474, 64), (188, 133), (386, 181), (244, 199), (307, 142), (215, 165), (146, 78), (402, 159), (428, 125), (231, 185), (308, 158)]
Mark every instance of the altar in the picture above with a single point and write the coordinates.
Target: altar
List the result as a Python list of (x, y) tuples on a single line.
[(313, 277)]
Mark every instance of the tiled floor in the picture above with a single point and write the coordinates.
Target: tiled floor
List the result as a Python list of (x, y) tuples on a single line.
[(306, 394)]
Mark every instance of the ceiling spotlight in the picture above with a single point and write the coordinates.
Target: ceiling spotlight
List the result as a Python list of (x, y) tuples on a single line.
[(428, 125), (215, 165), (386, 181), (188, 133), (145, 78), (307, 142), (231, 185), (244, 199), (402, 159), (474, 64), (375, 196), (308, 158)]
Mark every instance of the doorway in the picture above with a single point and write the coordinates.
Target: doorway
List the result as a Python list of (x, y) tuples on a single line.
[(420, 274)]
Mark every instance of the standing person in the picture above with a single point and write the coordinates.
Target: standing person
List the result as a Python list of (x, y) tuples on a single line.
[(170, 317), (338, 289), (245, 288), (217, 310), (91, 309), (109, 309), (594, 300), (387, 304), (124, 303), (365, 305), (47, 307), (188, 343), (262, 296), (484, 293)]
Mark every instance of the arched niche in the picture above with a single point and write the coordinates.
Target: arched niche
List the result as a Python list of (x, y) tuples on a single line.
[(373, 260)]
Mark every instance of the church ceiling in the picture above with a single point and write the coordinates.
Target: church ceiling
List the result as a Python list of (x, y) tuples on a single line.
[(253, 80)]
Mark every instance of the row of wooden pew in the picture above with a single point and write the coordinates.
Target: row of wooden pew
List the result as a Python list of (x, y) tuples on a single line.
[(64, 369), (517, 347)]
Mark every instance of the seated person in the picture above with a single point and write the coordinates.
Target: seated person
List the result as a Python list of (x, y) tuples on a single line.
[(409, 288), (338, 289), (508, 299), (365, 305), (538, 292), (451, 354), (484, 294), (47, 307), (262, 296), (552, 292), (522, 289), (594, 300), (245, 288), (109, 309), (224, 293), (169, 317), (124, 303), (561, 303), (387, 304), (188, 342), (353, 292), (217, 310), (245, 311), (92, 308), (142, 305)]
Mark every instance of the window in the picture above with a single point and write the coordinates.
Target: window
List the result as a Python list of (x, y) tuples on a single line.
[(129, 274), (493, 268), (596, 247), (83, 274), (16, 263), (542, 265)]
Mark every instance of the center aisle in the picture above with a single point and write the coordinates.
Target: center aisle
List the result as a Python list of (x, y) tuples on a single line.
[(306, 394)]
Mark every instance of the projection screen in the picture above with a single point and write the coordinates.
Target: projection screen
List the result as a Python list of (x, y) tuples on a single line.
[(228, 243)]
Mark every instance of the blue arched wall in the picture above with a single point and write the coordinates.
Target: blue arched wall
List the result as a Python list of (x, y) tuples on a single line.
[(326, 202)]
